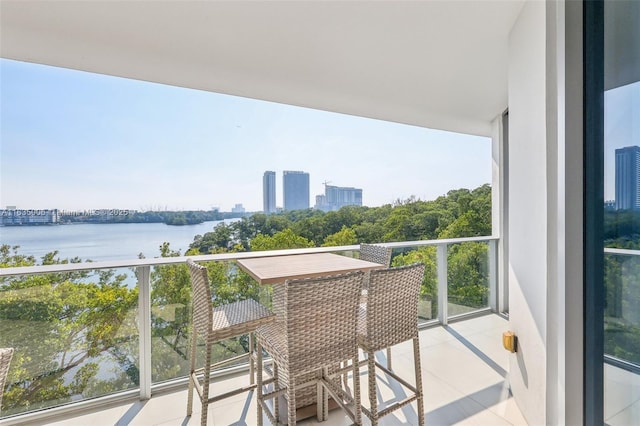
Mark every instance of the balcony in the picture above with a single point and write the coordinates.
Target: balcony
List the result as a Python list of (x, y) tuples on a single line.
[(142, 364), (522, 55)]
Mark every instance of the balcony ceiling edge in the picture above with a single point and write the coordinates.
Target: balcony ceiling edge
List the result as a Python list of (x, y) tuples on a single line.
[(439, 65)]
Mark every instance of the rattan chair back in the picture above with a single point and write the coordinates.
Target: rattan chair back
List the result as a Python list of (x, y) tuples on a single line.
[(200, 298), (392, 305), (376, 253), (321, 320)]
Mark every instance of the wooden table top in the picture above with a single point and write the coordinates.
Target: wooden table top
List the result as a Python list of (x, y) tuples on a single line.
[(278, 269)]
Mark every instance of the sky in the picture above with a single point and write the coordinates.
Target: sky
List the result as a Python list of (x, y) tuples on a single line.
[(621, 128), (74, 141)]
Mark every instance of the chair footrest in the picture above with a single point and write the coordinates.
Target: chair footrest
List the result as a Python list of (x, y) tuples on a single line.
[(231, 393), (339, 396), (403, 382), (396, 405)]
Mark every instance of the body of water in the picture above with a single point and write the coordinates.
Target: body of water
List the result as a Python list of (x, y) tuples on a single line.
[(100, 242)]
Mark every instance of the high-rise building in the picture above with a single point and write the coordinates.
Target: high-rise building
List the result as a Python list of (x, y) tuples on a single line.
[(336, 197), (295, 190), (269, 192), (628, 178)]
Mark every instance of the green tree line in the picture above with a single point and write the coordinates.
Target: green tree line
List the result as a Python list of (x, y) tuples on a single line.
[(459, 213)]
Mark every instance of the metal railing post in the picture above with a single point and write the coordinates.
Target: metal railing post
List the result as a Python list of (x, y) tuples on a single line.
[(494, 295), (443, 296), (144, 325)]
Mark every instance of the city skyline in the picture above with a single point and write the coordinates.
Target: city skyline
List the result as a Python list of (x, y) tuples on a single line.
[(74, 140), (627, 178)]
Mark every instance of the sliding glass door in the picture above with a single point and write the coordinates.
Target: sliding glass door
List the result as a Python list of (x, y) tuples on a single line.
[(621, 217)]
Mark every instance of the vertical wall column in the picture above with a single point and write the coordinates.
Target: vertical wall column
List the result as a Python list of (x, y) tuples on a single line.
[(500, 206)]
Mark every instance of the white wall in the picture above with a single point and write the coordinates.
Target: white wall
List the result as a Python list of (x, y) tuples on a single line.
[(545, 231), (528, 223)]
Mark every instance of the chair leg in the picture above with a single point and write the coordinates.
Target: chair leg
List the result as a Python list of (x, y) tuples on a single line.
[(321, 404), (259, 382), (276, 385), (345, 375), (251, 360), (418, 369), (205, 385), (373, 397), (291, 396), (356, 390), (192, 368)]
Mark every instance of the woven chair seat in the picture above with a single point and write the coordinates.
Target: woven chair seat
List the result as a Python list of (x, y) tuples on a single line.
[(237, 319)]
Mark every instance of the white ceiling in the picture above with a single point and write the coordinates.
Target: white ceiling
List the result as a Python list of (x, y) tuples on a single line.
[(437, 64)]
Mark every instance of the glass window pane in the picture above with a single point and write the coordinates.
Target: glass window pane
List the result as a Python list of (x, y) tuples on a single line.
[(622, 213)]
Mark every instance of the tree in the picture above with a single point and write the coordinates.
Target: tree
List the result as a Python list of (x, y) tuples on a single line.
[(220, 238), (468, 275), (344, 237), (286, 239)]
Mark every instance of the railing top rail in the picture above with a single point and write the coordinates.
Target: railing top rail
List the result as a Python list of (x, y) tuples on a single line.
[(446, 241), (622, 251), (113, 264)]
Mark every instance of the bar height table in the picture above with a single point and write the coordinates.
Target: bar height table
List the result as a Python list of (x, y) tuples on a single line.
[(278, 269)]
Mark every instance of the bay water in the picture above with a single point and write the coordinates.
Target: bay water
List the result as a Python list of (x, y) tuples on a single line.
[(99, 242)]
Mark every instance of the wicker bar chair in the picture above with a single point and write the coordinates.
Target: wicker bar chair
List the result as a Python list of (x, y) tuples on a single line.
[(316, 331), (215, 324), (378, 254), (391, 317), (5, 360)]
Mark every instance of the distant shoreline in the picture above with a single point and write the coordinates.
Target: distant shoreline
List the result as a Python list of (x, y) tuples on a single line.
[(16, 225), (55, 217)]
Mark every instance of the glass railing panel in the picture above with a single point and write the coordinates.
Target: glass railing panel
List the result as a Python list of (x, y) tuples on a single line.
[(467, 277), (170, 319), (75, 337), (171, 316), (622, 306), (428, 301)]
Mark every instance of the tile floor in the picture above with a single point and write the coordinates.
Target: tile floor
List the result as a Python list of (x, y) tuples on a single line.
[(463, 372), (622, 397)]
